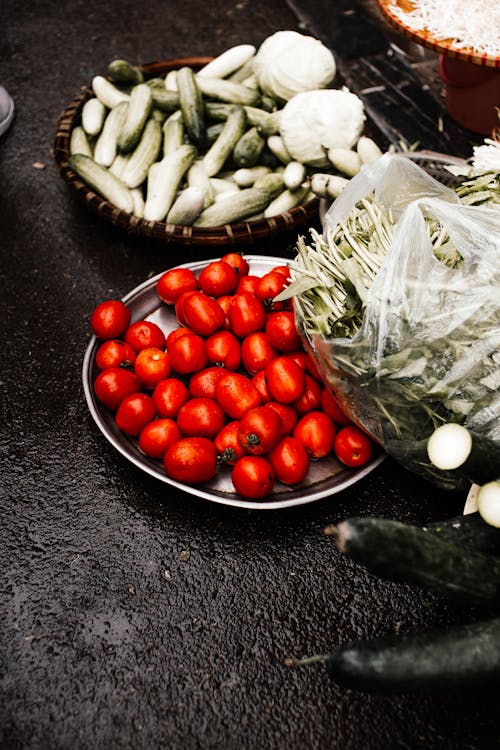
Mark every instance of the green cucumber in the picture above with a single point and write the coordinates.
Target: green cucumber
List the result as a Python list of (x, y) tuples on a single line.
[(106, 145), (469, 530), (164, 179), (187, 207), (173, 133), (79, 143), (285, 201), (144, 154), (166, 101), (234, 208), (102, 181), (107, 92), (123, 73), (461, 657), (218, 110), (191, 104), (228, 62), (93, 116), (197, 177), (401, 552), (227, 91), (248, 149), (267, 123), (221, 149), (139, 107)]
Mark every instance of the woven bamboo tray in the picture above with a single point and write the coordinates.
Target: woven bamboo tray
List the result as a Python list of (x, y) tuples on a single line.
[(240, 233)]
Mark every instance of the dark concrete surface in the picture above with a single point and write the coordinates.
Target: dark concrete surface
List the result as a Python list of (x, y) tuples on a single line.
[(132, 615)]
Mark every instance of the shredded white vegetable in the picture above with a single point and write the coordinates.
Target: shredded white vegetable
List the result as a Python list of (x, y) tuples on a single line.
[(487, 155), (470, 23)]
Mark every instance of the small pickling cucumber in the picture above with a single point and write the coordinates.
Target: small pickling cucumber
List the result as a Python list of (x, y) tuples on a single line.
[(220, 150), (79, 143), (345, 160), (191, 105), (272, 182), (93, 116), (145, 153), (213, 132), (187, 207), (243, 71), (267, 123), (469, 530), (102, 181), (166, 101), (326, 185), (107, 92), (294, 175), (248, 148), (401, 552), (171, 81), (106, 145), (368, 150), (229, 61), (164, 179), (276, 145), (138, 199), (246, 177), (198, 176), (118, 166), (227, 91), (285, 201), (238, 206), (138, 110), (225, 186), (173, 132), (218, 111), (124, 73)]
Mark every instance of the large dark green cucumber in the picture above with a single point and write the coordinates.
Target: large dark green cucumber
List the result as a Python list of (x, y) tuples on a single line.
[(401, 552), (458, 658), (469, 530)]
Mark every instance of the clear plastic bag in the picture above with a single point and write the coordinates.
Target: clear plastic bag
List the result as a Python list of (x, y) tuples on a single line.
[(428, 350)]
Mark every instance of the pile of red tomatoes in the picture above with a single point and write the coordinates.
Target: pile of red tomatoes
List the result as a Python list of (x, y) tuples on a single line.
[(231, 385)]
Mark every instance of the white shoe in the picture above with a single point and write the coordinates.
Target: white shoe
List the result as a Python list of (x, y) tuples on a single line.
[(6, 110)]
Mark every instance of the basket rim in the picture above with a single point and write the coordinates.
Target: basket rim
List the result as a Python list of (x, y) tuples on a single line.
[(235, 233)]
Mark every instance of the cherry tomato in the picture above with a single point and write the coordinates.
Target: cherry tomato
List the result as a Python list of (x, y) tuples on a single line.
[(330, 406), (191, 460), (269, 286), (310, 399), (203, 314), (247, 283), (157, 435), (175, 282), (176, 334), (179, 306), (260, 382), (246, 314), (289, 460), (203, 382), (238, 262), (256, 352), (143, 334), (289, 416), (282, 332), (316, 432), (114, 353), (151, 366), (253, 477), (169, 395), (218, 278), (283, 270), (236, 394), (227, 445), (260, 430), (200, 417), (285, 379), (352, 446), (224, 350), (113, 385), (110, 319), (188, 354), (134, 413)]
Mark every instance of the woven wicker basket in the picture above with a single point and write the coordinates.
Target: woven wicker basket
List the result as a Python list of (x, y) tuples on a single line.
[(245, 232)]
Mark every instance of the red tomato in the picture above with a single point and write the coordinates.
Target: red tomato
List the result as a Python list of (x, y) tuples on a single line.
[(176, 334), (256, 352), (316, 432), (188, 354), (238, 262), (200, 417), (218, 278), (114, 353), (113, 385), (225, 303), (246, 314), (260, 430), (236, 394), (175, 282), (330, 406), (203, 314), (300, 357), (143, 334), (310, 399), (179, 306), (157, 435), (169, 395), (282, 332), (269, 286), (202, 383), (313, 368), (253, 477), (282, 269), (135, 412), (289, 460), (247, 284), (288, 415), (286, 379), (191, 460), (224, 350), (110, 319), (227, 445), (260, 382), (151, 366), (352, 446)]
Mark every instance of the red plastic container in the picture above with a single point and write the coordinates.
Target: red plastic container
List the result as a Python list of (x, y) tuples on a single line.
[(472, 93)]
